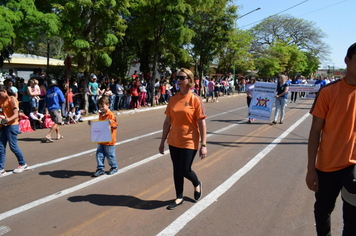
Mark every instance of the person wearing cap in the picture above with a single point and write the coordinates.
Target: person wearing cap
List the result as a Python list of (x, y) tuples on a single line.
[(9, 129), (332, 149), (93, 88), (54, 99)]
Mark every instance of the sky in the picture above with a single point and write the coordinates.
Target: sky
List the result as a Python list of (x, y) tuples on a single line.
[(336, 18)]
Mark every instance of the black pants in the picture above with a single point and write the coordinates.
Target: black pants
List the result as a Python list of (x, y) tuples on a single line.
[(294, 95), (248, 101), (330, 184), (182, 163)]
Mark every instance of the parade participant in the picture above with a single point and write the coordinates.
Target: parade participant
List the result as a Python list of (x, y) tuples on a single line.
[(281, 98), (9, 129), (249, 93), (54, 98), (294, 95), (106, 149), (331, 147), (185, 121)]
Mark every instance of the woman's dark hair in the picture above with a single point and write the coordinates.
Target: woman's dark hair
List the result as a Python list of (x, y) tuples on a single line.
[(351, 51)]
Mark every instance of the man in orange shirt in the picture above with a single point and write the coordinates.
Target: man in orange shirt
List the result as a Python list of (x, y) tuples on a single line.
[(331, 147)]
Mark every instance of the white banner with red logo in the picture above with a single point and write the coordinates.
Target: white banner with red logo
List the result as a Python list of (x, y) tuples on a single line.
[(262, 101)]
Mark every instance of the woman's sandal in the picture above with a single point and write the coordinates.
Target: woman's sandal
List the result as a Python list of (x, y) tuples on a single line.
[(46, 140), (61, 137)]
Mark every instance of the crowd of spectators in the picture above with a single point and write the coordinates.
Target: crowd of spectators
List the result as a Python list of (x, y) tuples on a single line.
[(123, 94)]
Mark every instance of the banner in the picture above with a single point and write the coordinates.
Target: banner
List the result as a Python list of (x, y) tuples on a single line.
[(304, 87), (262, 101), (100, 131)]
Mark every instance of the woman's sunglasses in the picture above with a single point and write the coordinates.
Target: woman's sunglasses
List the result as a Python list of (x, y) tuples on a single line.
[(181, 77)]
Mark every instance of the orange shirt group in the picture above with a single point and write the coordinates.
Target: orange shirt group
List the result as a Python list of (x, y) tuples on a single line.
[(336, 104)]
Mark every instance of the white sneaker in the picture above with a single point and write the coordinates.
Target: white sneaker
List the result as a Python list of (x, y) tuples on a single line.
[(20, 169), (2, 172), (217, 101)]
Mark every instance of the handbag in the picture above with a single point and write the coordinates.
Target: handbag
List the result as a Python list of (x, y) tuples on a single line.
[(348, 191)]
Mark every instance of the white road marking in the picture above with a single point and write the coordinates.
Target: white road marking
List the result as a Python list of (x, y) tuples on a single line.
[(190, 214), (90, 182)]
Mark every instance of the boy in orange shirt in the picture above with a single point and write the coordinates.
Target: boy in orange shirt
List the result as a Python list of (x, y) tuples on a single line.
[(331, 147), (106, 149)]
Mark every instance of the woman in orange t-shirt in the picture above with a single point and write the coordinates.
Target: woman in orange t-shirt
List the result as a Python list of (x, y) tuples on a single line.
[(185, 123), (9, 129)]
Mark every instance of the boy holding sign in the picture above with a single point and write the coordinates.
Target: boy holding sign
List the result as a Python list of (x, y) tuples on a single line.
[(106, 149)]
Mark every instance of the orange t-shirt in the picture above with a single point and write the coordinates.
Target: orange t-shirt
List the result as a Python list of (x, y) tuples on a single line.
[(8, 106), (185, 111), (336, 104), (110, 116)]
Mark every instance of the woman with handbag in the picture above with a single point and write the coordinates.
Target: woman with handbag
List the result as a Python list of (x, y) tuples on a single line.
[(185, 123)]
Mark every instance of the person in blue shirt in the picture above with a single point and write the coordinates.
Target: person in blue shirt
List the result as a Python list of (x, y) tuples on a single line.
[(320, 81), (294, 94), (54, 99), (281, 98)]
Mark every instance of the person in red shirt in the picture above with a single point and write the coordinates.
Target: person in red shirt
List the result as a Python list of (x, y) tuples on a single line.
[(134, 93)]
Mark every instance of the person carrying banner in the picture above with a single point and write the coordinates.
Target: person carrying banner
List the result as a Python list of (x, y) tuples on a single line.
[(281, 98), (331, 147)]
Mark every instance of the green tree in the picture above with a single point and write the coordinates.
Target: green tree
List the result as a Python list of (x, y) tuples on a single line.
[(91, 30), (212, 26), (312, 63), (236, 53), (290, 30), (158, 23), (21, 23)]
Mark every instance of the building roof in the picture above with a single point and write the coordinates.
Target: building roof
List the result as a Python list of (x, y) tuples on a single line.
[(27, 59)]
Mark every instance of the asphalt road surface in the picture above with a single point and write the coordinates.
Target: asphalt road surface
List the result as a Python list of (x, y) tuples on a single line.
[(253, 180)]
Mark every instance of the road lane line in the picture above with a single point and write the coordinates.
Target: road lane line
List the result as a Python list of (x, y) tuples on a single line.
[(62, 193), (190, 214)]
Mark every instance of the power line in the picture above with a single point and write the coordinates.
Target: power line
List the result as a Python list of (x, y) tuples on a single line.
[(324, 8), (277, 13)]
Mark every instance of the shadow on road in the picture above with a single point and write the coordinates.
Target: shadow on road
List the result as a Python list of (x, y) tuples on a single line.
[(123, 200), (30, 139), (66, 174)]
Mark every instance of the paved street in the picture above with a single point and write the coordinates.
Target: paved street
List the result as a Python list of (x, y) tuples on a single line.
[(253, 180)]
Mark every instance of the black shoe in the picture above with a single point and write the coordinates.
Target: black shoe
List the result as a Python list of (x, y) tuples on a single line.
[(281, 122), (197, 195), (174, 205), (274, 122)]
